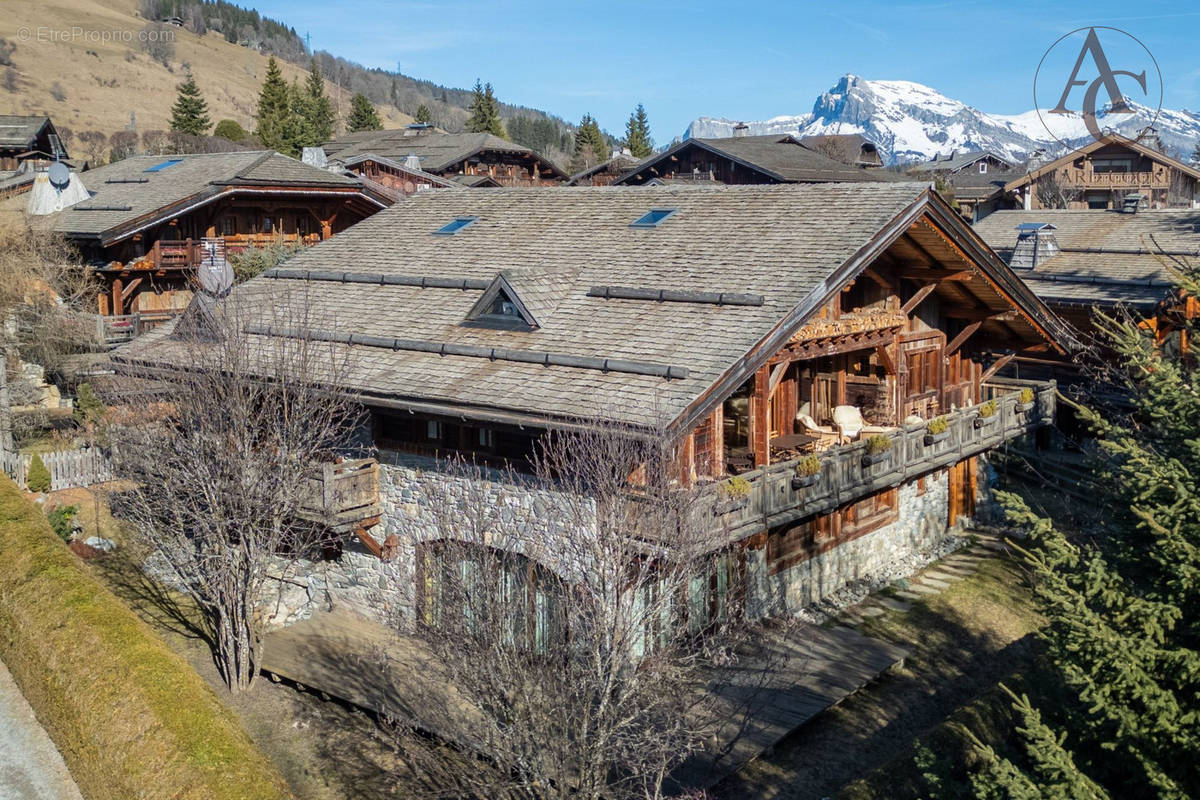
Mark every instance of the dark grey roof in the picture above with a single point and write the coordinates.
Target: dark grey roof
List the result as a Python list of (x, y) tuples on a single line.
[(125, 192), (953, 162), (17, 131), (849, 148), (399, 166), (438, 152), (779, 157), (618, 163), (1106, 257)]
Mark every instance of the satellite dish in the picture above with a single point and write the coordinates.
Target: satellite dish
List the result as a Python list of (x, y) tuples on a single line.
[(60, 175)]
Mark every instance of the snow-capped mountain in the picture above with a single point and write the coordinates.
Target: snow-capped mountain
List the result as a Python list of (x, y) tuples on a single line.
[(912, 122)]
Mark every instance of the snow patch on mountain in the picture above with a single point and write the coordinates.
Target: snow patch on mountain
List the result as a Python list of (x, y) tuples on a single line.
[(909, 121)]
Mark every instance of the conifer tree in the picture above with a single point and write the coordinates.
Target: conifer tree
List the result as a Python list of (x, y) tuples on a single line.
[(591, 148), (637, 133), (1122, 634), (485, 112), (318, 109), (423, 114), (274, 107), (190, 113), (363, 116), (296, 130)]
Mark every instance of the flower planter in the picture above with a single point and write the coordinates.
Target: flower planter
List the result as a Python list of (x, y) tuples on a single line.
[(873, 458), (1022, 408), (981, 422), (804, 481), (729, 506), (934, 438)]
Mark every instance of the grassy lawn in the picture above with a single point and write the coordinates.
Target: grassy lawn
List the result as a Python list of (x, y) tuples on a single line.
[(962, 642)]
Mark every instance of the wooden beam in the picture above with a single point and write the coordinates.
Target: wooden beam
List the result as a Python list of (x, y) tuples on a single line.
[(776, 377), (911, 304), (962, 337), (760, 423), (883, 281), (885, 358), (128, 290), (996, 366), (938, 275)]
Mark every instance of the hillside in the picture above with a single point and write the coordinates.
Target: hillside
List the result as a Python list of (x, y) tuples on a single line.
[(102, 82)]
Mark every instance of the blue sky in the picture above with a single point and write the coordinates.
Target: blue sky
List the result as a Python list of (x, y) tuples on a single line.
[(747, 60)]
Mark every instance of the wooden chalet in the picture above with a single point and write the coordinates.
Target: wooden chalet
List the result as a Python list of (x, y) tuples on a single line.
[(152, 220), (28, 139), (775, 158), (751, 325), (1080, 262), (975, 180), (1106, 174), (604, 173), (479, 156), (848, 148), (399, 178)]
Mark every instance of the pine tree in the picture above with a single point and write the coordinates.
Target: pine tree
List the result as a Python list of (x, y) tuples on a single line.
[(591, 148), (190, 113), (296, 130), (318, 109), (637, 133), (37, 477), (485, 112), (363, 116), (423, 114), (1122, 634), (274, 107)]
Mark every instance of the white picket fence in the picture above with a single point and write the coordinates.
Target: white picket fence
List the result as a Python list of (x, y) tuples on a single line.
[(69, 469)]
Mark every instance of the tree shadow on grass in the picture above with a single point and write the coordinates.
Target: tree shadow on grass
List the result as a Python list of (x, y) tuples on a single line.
[(170, 611)]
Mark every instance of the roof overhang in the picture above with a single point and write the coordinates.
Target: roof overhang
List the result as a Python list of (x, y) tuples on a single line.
[(666, 154)]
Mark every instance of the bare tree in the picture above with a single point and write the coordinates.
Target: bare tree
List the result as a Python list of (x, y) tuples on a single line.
[(572, 614), (95, 143), (1052, 192), (222, 474)]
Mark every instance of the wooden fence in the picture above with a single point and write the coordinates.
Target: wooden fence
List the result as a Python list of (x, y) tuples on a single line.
[(69, 469)]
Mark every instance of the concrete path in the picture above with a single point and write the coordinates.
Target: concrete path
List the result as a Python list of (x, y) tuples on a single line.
[(30, 765)]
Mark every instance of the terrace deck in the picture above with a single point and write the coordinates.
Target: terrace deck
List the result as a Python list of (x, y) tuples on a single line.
[(807, 670)]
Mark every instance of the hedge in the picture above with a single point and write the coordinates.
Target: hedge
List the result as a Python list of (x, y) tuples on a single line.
[(131, 717)]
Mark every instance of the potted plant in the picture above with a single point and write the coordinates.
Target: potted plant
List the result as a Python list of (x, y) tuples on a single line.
[(936, 431), (1025, 400), (987, 413), (732, 495), (808, 472), (877, 449)]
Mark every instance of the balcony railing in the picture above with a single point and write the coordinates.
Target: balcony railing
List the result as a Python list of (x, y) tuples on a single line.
[(846, 476), (343, 495)]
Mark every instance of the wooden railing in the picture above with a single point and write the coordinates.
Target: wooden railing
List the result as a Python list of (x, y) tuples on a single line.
[(189, 253), (114, 331), (343, 495), (845, 475)]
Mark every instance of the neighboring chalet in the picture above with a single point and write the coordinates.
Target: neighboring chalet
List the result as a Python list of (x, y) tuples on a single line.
[(748, 324), (1079, 262), (604, 173), (975, 179), (848, 148), (402, 178), (1106, 175), (471, 159), (27, 144), (775, 158), (152, 220)]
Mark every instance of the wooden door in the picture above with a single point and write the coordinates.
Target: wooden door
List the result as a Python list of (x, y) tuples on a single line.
[(963, 484)]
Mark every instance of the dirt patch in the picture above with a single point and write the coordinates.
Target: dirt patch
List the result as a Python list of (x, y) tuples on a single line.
[(961, 643)]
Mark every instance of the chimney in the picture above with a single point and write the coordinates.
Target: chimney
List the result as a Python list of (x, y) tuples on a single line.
[(55, 189), (412, 162), (740, 129), (315, 156), (1132, 202), (1036, 243)]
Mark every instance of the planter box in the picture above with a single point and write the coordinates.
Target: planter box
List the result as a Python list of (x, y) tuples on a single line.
[(1021, 408), (729, 506), (874, 458), (934, 438), (980, 422), (804, 481)]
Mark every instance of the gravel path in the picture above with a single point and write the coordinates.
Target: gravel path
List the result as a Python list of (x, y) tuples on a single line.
[(30, 765)]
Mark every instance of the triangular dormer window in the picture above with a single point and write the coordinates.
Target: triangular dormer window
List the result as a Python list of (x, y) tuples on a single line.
[(501, 307)]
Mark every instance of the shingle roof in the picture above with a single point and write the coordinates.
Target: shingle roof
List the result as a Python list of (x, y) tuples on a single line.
[(956, 161), (788, 244), (125, 191), (1107, 257), (849, 148), (17, 131), (618, 163), (437, 151), (780, 157)]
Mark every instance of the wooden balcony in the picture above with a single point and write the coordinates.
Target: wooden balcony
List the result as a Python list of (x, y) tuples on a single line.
[(344, 496), (845, 476)]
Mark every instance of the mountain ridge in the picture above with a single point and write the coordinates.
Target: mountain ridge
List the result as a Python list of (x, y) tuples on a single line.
[(909, 121)]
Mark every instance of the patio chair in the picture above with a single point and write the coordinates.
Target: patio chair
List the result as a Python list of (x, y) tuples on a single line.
[(821, 435), (851, 425)]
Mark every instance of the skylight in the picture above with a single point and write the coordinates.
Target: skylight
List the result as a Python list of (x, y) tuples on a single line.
[(454, 226), (159, 167), (653, 218)]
